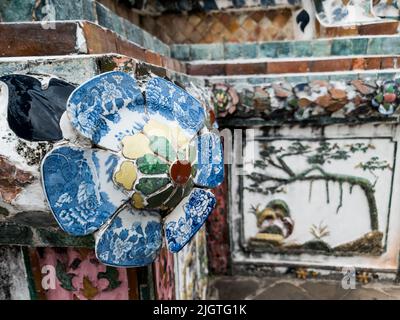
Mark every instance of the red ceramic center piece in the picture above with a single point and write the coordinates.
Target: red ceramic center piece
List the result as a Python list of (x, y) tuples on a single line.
[(180, 171), (212, 116), (389, 97)]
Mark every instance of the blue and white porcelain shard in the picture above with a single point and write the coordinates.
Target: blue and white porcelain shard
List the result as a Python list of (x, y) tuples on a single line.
[(210, 161), (106, 108), (387, 9), (170, 104), (334, 13), (79, 188), (132, 239), (187, 218)]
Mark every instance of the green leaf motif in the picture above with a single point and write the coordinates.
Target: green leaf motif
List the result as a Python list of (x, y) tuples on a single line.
[(111, 275), (64, 277)]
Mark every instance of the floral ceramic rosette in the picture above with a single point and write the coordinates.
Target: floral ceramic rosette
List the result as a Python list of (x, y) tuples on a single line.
[(136, 166), (387, 97)]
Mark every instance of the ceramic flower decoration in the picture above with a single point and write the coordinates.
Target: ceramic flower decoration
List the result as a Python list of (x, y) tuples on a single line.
[(386, 99), (224, 99), (147, 173)]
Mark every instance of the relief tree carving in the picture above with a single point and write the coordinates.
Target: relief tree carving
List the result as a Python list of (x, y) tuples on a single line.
[(316, 157)]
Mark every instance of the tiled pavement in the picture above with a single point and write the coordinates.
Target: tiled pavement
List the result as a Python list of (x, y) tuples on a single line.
[(285, 288)]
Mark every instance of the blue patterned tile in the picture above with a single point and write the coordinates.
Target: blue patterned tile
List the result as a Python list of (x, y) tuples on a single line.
[(169, 103), (336, 13), (210, 161), (187, 218), (387, 9), (79, 187), (132, 239), (106, 108)]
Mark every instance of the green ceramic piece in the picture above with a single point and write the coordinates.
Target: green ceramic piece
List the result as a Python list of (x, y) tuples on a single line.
[(162, 147), (150, 185), (151, 164), (176, 198), (160, 198)]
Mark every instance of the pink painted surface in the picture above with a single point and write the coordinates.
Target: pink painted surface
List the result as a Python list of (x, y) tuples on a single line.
[(218, 233), (84, 276), (164, 275)]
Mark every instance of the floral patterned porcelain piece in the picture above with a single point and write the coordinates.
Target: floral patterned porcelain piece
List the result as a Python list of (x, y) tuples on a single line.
[(210, 160), (387, 9), (154, 153), (331, 13), (79, 187), (187, 218), (172, 105), (102, 109), (133, 238)]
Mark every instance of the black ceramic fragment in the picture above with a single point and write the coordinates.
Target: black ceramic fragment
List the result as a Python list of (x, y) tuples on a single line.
[(33, 113)]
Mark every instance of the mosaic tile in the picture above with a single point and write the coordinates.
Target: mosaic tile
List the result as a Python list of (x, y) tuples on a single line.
[(102, 109), (162, 147), (150, 164), (386, 9), (338, 13), (302, 49), (176, 197), (180, 52), (210, 163), (135, 146), (180, 171), (187, 218), (137, 200), (172, 132), (390, 45), (150, 185), (126, 175), (79, 186), (169, 103), (17, 10), (109, 19), (386, 99), (34, 111), (160, 198), (132, 239), (214, 51), (133, 32)]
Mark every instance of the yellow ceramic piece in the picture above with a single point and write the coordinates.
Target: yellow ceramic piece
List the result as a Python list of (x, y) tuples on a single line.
[(135, 146), (137, 201), (126, 175), (173, 133)]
